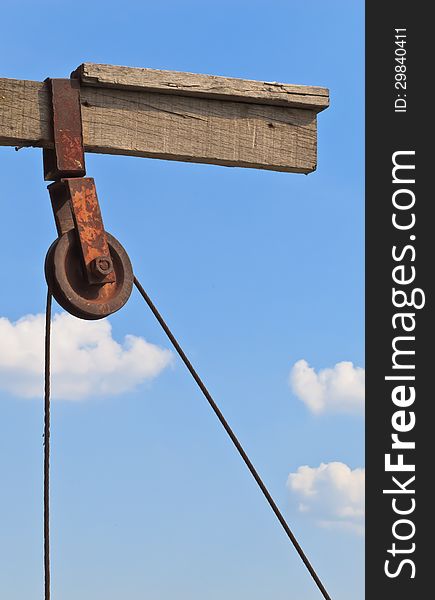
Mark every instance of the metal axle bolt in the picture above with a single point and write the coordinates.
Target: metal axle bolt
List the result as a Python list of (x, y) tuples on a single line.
[(102, 266)]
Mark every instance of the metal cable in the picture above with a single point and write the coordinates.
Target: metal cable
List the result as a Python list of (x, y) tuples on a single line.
[(233, 438), (47, 447)]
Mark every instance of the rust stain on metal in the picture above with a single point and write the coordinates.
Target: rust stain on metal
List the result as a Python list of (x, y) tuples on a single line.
[(89, 224)]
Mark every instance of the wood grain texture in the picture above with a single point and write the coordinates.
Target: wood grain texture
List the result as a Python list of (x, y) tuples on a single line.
[(24, 113), (173, 127), (204, 86)]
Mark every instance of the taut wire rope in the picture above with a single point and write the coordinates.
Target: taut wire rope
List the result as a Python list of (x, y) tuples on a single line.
[(233, 438), (47, 447)]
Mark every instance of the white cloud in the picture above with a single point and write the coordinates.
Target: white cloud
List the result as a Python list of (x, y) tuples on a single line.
[(86, 360), (332, 494), (340, 389)]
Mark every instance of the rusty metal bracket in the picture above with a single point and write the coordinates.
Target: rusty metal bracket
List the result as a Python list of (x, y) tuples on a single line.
[(67, 158), (75, 206), (74, 197), (89, 225)]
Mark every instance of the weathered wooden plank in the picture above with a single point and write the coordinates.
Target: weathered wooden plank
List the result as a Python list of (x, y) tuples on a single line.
[(167, 126), (199, 130), (204, 86), (24, 113)]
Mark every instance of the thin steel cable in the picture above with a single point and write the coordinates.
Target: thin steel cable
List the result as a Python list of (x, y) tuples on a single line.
[(47, 447), (233, 438)]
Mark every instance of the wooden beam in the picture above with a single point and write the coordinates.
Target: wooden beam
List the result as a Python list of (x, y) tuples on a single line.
[(128, 119), (204, 86)]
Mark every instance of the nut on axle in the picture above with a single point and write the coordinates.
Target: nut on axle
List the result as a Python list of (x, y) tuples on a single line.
[(102, 266)]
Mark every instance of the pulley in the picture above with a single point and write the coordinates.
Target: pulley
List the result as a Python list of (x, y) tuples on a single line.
[(87, 269), (70, 288)]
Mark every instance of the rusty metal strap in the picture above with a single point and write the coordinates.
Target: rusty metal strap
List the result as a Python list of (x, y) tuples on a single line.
[(73, 196), (67, 158), (75, 206)]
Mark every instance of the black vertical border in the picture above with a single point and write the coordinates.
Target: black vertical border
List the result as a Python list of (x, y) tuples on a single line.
[(387, 132)]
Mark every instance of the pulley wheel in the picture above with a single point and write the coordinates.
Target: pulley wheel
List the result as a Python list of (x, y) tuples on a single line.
[(68, 284)]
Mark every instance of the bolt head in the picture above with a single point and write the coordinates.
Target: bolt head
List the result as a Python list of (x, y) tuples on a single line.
[(102, 266)]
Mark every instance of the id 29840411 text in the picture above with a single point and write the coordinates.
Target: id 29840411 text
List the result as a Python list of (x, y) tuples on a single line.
[(400, 69)]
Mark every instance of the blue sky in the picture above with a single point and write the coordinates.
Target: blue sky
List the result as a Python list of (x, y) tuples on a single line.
[(254, 271)]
